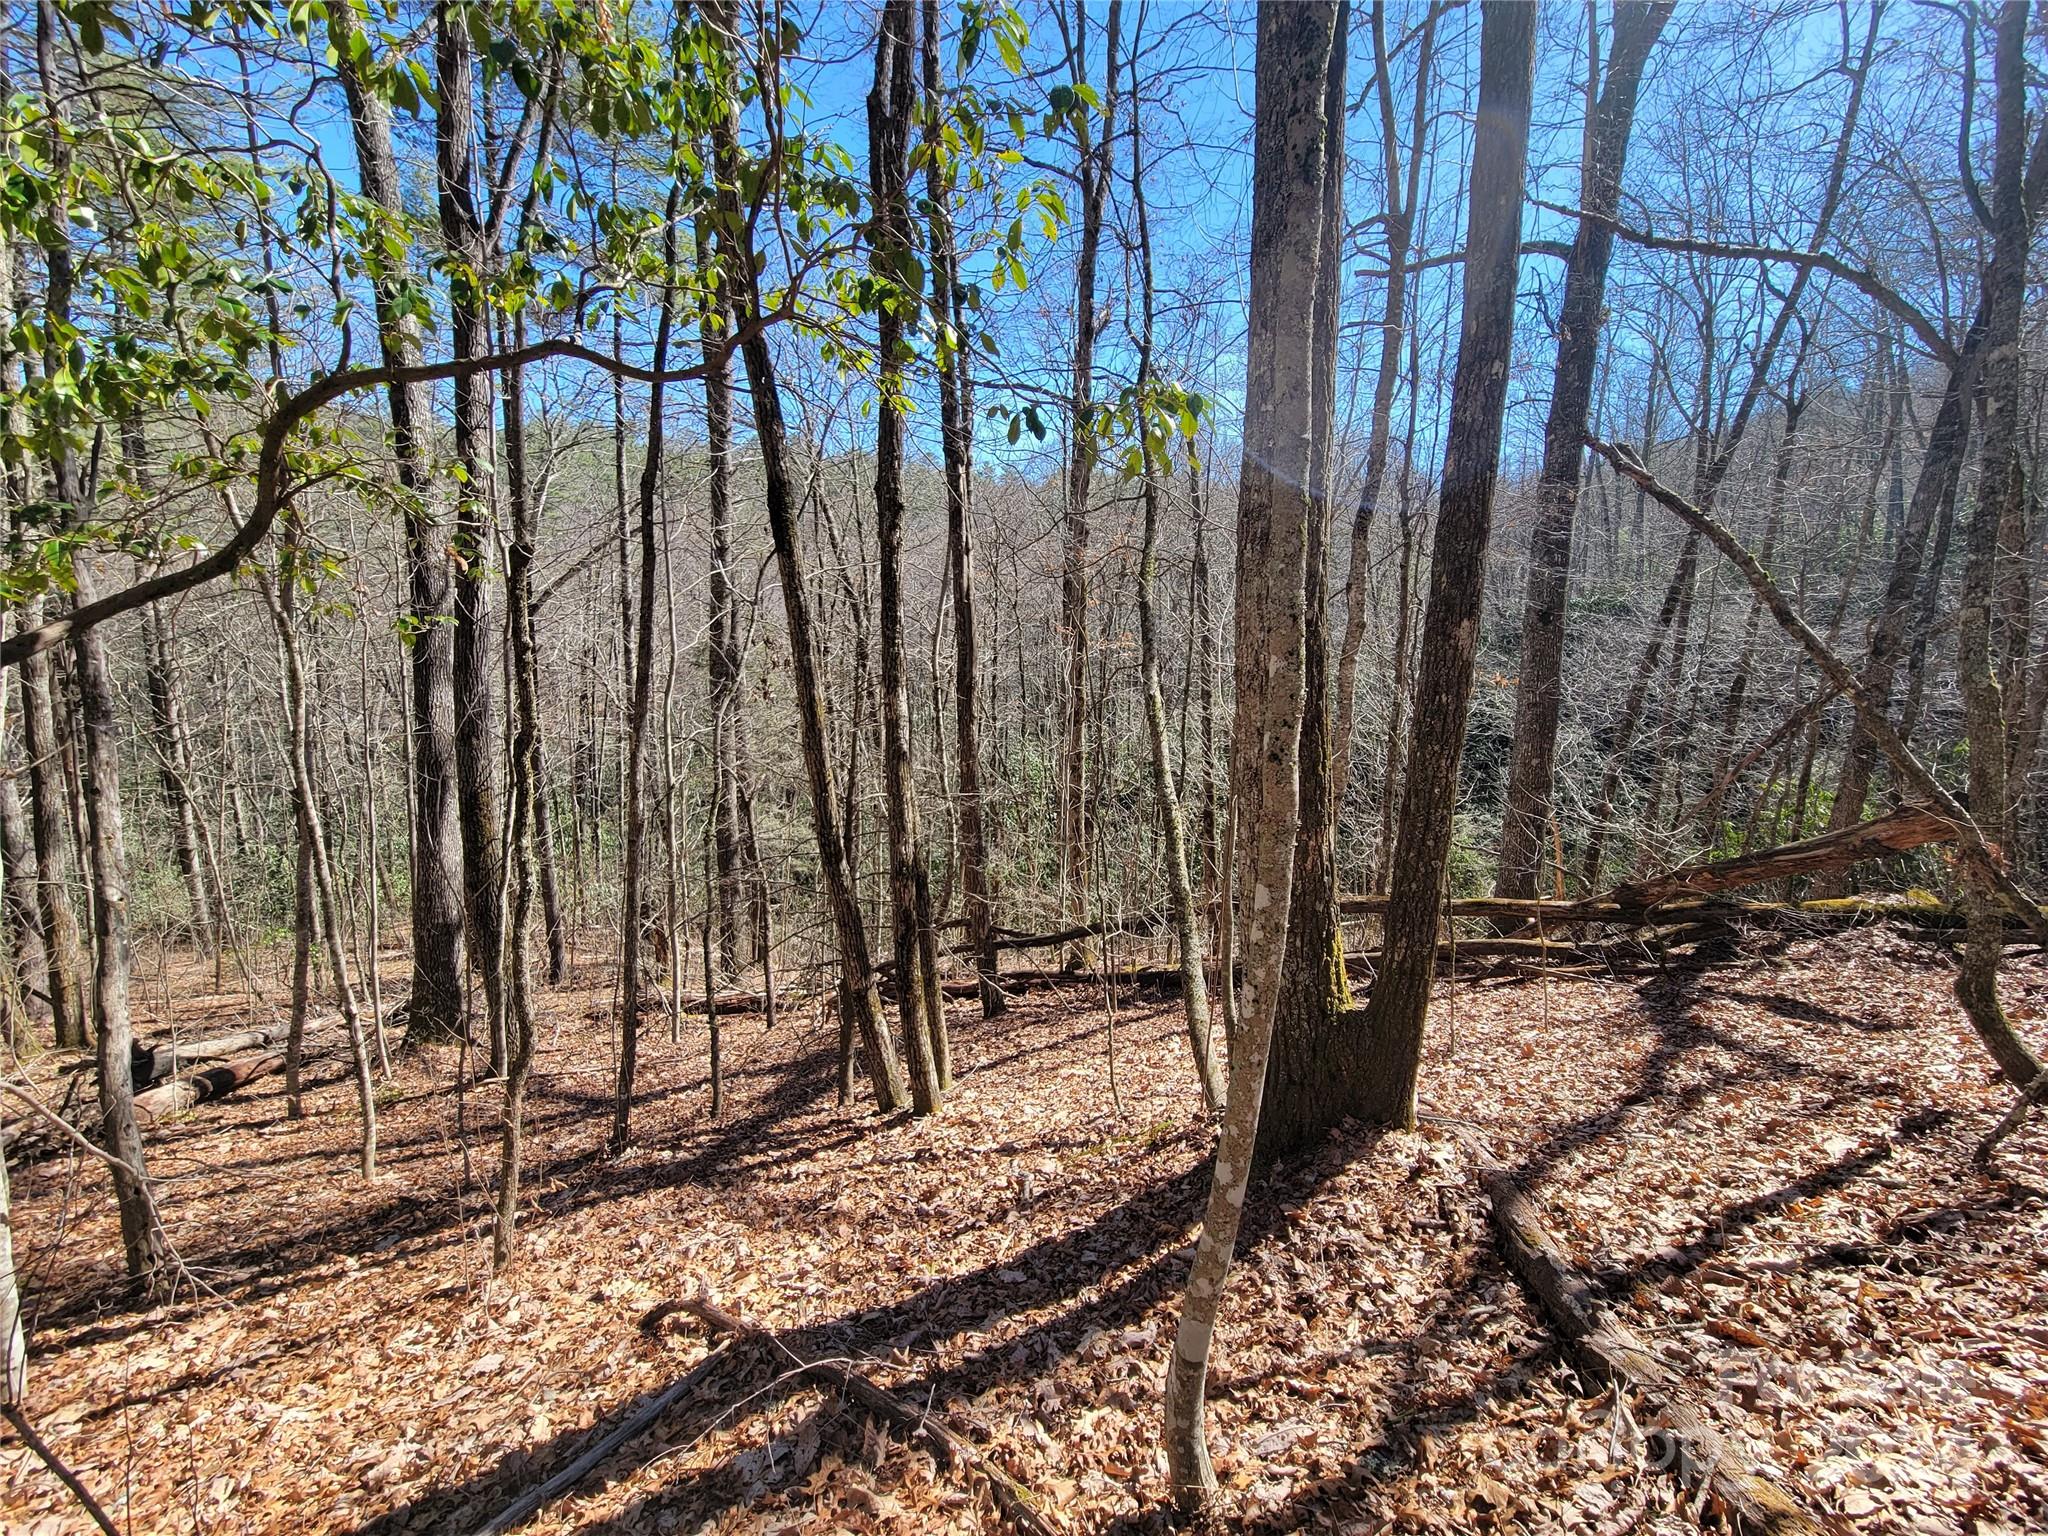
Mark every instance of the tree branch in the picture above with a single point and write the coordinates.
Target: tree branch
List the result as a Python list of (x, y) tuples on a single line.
[(274, 489), (1861, 279)]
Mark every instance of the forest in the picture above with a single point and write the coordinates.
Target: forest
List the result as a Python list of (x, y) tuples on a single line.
[(1052, 766)]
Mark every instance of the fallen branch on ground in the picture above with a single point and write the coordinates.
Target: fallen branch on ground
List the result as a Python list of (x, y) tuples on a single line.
[(1693, 1450), (634, 1425), (1017, 1503)]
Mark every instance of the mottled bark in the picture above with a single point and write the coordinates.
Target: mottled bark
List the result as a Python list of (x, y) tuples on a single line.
[(1298, 46)]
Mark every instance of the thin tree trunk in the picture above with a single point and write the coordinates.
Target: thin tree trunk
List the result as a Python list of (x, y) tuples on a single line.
[(476, 744), (1180, 893), (1092, 169), (632, 918), (956, 446), (917, 981), (860, 1004), (1399, 218)]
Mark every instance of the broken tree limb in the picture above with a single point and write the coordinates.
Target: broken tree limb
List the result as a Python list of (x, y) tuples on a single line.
[(212, 1083), (1016, 1502), (630, 1428), (1693, 1450), (1979, 856), (1909, 827)]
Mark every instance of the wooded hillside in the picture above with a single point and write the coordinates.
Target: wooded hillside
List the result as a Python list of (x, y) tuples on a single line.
[(1071, 766)]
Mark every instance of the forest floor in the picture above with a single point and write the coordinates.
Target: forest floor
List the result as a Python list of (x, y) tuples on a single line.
[(1767, 1164)]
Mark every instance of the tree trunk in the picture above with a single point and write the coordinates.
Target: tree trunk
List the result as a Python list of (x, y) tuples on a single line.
[(1457, 577), (1299, 49), (433, 1011), (1400, 226), (917, 979), (63, 945), (2000, 496), (1637, 24), (1092, 167), (860, 1004), (1314, 1033), (476, 734), (1173, 824), (524, 802), (174, 769), (956, 446), (142, 1240), (633, 921)]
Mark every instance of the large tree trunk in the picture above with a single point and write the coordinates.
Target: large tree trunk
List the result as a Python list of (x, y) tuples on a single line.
[(1637, 24), (433, 1012), (1457, 577), (1314, 1029), (917, 977), (142, 1240), (956, 446), (476, 733), (860, 1003), (1299, 48)]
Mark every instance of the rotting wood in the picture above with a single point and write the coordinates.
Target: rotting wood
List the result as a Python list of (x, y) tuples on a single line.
[(153, 1063), (1019, 1506), (212, 1083), (1683, 1442)]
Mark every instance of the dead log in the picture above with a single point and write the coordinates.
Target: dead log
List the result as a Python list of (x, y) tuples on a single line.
[(1016, 1502), (152, 1063), (199, 1087), (1687, 1445), (1909, 827), (632, 1427)]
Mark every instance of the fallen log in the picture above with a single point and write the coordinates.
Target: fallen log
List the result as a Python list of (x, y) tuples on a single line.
[(1909, 827), (630, 1428), (212, 1083), (1686, 1444), (152, 1063), (1016, 1502)]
